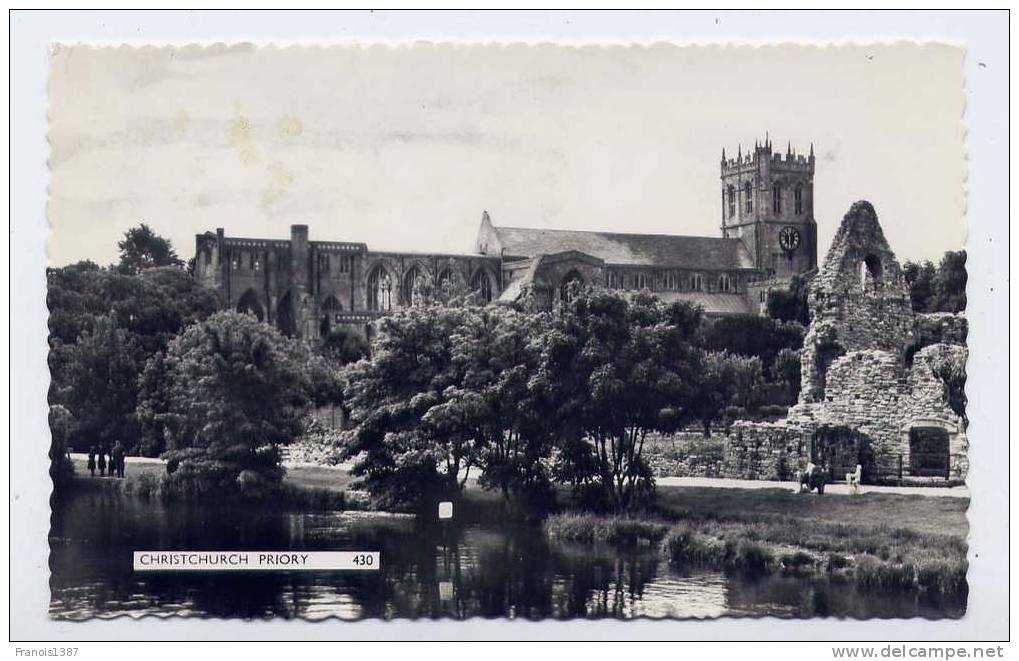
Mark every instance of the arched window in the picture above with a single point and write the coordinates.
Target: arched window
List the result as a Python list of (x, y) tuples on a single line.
[(724, 283), (870, 273), (207, 255), (798, 199), (481, 282), (249, 304), (748, 195), (256, 262), (380, 290), (410, 285), (776, 198), (696, 282), (570, 287), (330, 307), (732, 201)]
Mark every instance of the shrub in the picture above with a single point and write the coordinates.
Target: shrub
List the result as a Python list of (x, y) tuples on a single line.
[(797, 561)]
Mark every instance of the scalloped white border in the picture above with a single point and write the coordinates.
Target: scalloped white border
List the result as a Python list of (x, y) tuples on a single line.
[(986, 66)]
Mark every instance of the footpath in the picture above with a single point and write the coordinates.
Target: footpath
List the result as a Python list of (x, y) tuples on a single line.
[(709, 482)]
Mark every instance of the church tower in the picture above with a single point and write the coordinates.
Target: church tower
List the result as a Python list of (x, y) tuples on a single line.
[(768, 203)]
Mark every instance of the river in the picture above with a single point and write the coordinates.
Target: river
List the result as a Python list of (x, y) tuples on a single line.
[(484, 568)]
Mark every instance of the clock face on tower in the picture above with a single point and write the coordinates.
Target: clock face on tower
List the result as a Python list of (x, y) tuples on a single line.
[(789, 238)]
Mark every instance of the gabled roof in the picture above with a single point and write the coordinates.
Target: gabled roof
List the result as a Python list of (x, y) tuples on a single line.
[(661, 250)]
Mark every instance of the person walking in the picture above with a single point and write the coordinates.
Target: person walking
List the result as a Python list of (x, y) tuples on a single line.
[(92, 460), (117, 457), (102, 461)]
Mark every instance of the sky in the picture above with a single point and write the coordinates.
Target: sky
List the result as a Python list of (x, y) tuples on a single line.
[(403, 147)]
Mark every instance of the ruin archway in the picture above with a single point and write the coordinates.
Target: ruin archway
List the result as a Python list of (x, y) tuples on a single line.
[(249, 304), (285, 320), (330, 307), (929, 451), (838, 449)]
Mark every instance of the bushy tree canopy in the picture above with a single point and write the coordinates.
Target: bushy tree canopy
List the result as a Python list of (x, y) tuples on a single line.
[(227, 393), (938, 289), (141, 249), (104, 327)]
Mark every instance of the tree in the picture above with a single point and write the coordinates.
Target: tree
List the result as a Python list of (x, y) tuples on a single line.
[(919, 278), (144, 312), (787, 371), (406, 454), (618, 369), (61, 426), (752, 335), (950, 283), (344, 346), (790, 304), (97, 383), (227, 394), (141, 248), (726, 381), (496, 355), (938, 289)]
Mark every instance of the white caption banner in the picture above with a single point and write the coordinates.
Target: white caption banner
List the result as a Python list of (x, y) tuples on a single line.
[(256, 560)]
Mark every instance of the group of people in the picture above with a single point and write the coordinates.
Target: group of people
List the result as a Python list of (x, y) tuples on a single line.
[(97, 458)]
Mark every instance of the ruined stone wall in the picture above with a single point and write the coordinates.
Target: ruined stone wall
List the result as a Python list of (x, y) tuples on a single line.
[(765, 451), (868, 391), (858, 300), (856, 371)]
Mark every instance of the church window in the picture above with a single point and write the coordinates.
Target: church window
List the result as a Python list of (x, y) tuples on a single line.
[(323, 263), (207, 254), (235, 262), (380, 290), (411, 288), (798, 198), (570, 287), (748, 194), (724, 283), (696, 282), (344, 265), (256, 262), (732, 201), (482, 284), (776, 198)]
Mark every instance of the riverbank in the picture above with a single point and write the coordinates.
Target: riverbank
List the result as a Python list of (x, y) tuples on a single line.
[(878, 541)]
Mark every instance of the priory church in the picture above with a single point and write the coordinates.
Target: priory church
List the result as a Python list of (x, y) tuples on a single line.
[(307, 288)]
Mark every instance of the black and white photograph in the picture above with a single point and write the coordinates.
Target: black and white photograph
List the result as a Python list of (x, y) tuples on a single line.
[(532, 332)]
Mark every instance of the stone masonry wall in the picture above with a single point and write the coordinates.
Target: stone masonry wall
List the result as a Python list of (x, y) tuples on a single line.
[(765, 451)]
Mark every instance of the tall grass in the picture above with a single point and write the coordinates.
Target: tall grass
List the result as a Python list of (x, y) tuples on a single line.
[(589, 529), (877, 558)]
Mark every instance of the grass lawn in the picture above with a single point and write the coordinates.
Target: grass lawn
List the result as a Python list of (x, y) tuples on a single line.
[(920, 514)]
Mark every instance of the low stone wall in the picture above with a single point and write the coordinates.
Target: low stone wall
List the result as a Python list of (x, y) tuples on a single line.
[(684, 454), (765, 451)]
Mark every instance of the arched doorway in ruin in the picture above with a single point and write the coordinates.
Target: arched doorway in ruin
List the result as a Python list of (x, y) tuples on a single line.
[(930, 447), (838, 449), (249, 304), (285, 320)]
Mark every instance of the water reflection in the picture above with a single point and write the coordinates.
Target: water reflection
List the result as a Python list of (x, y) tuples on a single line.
[(488, 570)]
